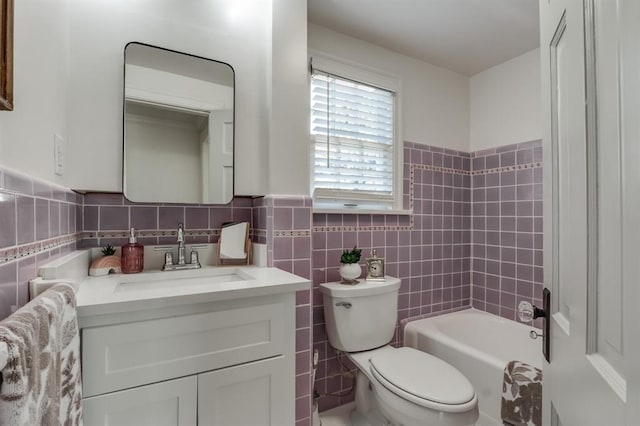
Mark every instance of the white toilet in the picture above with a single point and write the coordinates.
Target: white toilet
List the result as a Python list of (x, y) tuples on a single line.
[(401, 386)]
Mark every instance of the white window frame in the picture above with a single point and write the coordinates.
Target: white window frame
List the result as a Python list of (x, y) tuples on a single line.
[(328, 201)]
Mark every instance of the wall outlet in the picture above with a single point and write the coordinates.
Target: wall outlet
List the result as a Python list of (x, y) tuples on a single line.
[(58, 154)]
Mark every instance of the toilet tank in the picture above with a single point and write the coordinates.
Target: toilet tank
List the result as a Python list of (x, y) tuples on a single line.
[(362, 316)]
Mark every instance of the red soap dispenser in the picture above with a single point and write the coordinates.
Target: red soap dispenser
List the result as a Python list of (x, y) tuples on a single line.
[(132, 255)]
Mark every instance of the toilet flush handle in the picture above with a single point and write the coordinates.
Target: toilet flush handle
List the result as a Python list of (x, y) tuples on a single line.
[(344, 304)]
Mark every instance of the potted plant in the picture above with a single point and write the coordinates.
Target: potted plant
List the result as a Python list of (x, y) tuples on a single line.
[(106, 264), (350, 270)]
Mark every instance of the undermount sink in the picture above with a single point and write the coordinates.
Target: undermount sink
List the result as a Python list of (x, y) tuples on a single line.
[(150, 281)]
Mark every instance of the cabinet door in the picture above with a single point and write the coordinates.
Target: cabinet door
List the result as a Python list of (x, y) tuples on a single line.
[(169, 403), (258, 393), (125, 355)]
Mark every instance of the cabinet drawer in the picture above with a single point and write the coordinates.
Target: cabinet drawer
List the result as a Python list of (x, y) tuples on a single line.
[(172, 403), (126, 355)]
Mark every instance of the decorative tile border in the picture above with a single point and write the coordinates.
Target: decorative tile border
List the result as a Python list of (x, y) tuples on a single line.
[(440, 169), (363, 228), (150, 233), (304, 233), (18, 252), (506, 169)]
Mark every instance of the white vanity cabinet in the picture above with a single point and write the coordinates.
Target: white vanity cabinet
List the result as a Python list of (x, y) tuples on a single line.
[(170, 403), (218, 363)]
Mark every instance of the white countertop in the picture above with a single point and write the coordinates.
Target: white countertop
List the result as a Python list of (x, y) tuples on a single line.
[(148, 290)]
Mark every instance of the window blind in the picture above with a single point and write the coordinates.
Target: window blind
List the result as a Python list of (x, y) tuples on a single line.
[(352, 134)]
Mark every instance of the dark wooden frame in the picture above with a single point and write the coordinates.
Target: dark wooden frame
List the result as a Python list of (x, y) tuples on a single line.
[(6, 55)]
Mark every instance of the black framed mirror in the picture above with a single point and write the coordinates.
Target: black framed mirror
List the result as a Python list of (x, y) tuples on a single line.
[(178, 127)]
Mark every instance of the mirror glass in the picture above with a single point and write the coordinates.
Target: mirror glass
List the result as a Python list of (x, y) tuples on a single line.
[(232, 244), (178, 127)]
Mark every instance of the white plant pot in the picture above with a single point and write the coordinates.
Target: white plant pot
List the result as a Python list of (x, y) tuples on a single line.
[(350, 272)]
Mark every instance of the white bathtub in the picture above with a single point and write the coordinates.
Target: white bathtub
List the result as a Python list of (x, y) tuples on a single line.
[(478, 344)]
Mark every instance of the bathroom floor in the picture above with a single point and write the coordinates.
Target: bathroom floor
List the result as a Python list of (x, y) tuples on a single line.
[(339, 416)]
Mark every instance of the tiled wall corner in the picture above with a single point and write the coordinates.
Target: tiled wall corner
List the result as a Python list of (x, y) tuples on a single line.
[(38, 222), (507, 227), (288, 236)]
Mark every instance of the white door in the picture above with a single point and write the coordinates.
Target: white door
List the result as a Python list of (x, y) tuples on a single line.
[(590, 85), (220, 157)]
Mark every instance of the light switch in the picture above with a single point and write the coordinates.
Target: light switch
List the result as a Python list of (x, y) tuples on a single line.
[(58, 154)]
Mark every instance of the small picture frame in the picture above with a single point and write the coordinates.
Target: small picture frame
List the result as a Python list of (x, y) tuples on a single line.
[(6, 55), (375, 268)]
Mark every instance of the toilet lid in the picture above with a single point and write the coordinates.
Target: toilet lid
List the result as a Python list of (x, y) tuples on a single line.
[(422, 376)]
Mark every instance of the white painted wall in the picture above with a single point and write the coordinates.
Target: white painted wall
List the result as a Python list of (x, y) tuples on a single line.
[(41, 49), (288, 95), (236, 32), (68, 79), (435, 101), (505, 103)]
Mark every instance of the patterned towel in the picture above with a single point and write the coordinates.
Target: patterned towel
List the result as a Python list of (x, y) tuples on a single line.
[(41, 381), (521, 395)]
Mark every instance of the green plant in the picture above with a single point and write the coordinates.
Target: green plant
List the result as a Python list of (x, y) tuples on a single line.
[(108, 250), (351, 256)]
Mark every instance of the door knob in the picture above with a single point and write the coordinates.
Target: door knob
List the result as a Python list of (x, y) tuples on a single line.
[(528, 312)]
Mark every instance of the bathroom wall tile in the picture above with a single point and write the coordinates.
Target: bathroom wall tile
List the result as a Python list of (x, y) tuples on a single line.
[(169, 217), (42, 219), (241, 214), (283, 218), (90, 218), (18, 183), (283, 248), (8, 288), (144, 217), (42, 189), (114, 218), (7, 220), (196, 218), (509, 229), (26, 271), (219, 216), (64, 218), (26, 230), (104, 198)]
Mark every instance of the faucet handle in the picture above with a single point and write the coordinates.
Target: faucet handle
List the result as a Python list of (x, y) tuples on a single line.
[(168, 259), (180, 232), (194, 258)]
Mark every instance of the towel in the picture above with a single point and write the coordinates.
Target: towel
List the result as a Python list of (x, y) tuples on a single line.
[(41, 382), (521, 395)]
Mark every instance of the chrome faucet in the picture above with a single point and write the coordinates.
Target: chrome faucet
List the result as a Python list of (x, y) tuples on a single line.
[(182, 264), (181, 260)]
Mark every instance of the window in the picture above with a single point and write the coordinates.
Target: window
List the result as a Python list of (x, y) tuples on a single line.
[(354, 141)]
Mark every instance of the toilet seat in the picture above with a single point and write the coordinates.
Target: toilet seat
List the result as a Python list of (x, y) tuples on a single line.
[(423, 380)]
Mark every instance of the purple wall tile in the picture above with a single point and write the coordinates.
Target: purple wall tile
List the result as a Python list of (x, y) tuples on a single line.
[(144, 217), (18, 183), (114, 218), (7, 220), (511, 238), (196, 218), (26, 231), (169, 217), (8, 288)]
